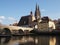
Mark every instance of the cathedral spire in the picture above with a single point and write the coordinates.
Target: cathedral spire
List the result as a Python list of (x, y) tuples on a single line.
[(37, 16), (37, 13), (36, 7)]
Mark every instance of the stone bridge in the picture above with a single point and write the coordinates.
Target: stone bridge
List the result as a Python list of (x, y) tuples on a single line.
[(15, 29)]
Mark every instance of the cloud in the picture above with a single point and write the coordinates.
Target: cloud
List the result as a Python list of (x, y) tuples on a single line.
[(2, 17), (11, 18), (1, 21)]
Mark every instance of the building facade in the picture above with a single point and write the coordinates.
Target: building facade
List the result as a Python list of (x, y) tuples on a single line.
[(35, 20), (31, 19)]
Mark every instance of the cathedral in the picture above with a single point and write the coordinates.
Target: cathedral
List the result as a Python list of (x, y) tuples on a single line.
[(35, 21), (31, 19)]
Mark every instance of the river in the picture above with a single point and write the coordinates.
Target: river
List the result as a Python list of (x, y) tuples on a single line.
[(30, 40)]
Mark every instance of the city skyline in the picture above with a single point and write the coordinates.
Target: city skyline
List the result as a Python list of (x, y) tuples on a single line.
[(12, 10)]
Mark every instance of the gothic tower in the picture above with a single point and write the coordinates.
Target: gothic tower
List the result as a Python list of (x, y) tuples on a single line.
[(37, 13), (37, 16)]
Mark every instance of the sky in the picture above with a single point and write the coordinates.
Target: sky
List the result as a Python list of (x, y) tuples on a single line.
[(12, 10)]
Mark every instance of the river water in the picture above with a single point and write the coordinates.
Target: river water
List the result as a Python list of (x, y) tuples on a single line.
[(30, 40)]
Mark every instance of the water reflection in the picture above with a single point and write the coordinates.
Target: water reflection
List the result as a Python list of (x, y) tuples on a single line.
[(4, 40), (58, 40), (30, 40), (52, 41)]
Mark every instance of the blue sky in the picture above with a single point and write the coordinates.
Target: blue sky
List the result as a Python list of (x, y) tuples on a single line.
[(12, 10)]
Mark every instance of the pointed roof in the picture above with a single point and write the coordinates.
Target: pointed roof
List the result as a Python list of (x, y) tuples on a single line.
[(37, 12), (36, 7), (31, 12)]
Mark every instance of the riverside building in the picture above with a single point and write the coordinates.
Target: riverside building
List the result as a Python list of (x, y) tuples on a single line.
[(35, 21)]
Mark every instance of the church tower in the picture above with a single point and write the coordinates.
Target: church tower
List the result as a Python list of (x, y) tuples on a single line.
[(37, 16), (37, 13)]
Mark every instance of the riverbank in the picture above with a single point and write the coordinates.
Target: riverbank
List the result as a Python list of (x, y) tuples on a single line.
[(35, 33)]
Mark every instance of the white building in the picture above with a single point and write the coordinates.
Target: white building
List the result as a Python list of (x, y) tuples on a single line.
[(45, 24)]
